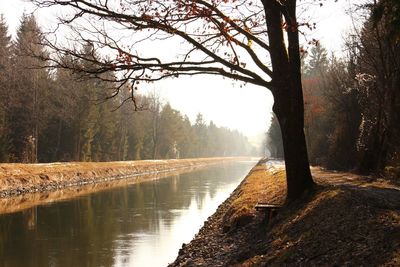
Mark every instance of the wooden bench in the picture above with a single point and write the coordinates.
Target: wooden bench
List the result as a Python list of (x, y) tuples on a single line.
[(270, 210)]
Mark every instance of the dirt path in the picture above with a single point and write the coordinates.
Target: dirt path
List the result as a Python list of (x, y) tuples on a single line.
[(348, 220)]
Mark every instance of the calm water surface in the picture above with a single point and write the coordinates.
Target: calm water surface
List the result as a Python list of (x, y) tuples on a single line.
[(137, 225)]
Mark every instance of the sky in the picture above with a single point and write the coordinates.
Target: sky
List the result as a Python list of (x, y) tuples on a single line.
[(247, 109)]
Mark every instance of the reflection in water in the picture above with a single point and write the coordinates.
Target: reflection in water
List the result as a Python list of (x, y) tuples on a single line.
[(27, 201), (138, 225)]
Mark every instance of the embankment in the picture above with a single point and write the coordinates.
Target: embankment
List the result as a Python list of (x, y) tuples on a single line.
[(347, 220), (17, 179)]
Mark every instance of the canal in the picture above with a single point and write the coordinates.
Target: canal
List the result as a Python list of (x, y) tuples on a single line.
[(140, 224)]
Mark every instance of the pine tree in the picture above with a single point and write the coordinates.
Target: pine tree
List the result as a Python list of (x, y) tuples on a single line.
[(275, 145), (60, 131), (29, 95), (318, 62), (200, 130)]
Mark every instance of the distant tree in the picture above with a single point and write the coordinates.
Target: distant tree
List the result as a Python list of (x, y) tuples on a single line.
[(214, 141), (61, 132), (169, 134), (155, 109), (318, 62), (5, 74), (186, 144), (122, 128), (144, 138), (105, 140), (314, 88), (200, 130), (274, 138), (343, 114), (29, 96), (216, 34)]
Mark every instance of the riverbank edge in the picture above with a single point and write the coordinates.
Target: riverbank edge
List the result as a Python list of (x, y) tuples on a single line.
[(19, 179), (207, 248)]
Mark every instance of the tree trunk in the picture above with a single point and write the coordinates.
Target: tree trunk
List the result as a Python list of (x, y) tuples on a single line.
[(57, 148), (298, 173), (288, 94)]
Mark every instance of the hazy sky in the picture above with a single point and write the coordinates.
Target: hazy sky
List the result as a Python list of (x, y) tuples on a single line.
[(247, 109)]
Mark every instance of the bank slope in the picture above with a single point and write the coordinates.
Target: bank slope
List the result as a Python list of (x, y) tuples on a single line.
[(16, 179), (347, 220)]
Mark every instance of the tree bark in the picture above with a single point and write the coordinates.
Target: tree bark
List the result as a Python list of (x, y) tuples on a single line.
[(288, 94), (298, 173)]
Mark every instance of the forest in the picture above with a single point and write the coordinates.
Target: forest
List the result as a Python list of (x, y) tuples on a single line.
[(352, 103), (48, 116)]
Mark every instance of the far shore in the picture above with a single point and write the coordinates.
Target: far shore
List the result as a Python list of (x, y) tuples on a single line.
[(19, 179)]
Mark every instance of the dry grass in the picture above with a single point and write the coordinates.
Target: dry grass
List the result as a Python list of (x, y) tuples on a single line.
[(15, 176), (337, 226), (260, 185)]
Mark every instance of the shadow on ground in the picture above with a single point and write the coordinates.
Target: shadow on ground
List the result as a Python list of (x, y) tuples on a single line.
[(336, 225)]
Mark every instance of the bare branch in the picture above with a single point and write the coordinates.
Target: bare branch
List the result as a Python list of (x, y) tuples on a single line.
[(211, 36)]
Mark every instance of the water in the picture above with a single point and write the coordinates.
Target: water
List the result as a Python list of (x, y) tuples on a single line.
[(137, 225)]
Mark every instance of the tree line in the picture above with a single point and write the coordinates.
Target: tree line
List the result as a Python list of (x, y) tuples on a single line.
[(48, 116), (352, 104)]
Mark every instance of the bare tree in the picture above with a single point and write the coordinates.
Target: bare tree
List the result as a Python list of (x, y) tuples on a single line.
[(253, 42)]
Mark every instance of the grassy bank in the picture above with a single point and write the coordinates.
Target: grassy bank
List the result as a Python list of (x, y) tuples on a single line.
[(17, 179), (347, 220)]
